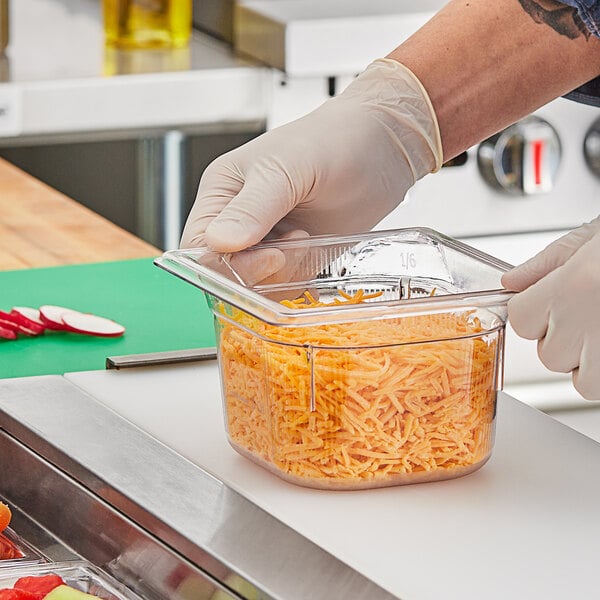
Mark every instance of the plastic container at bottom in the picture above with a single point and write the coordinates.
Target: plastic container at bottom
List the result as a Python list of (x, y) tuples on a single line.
[(16, 551), (358, 361), (78, 575)]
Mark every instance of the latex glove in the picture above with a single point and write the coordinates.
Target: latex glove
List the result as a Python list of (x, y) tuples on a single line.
[(260, 265), (339, 169), (559, 305)]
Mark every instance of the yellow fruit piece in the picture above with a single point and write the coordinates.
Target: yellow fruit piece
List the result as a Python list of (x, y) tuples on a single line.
[(65, 592)]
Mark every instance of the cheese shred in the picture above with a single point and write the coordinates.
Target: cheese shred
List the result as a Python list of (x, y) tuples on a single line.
[(362, 404)]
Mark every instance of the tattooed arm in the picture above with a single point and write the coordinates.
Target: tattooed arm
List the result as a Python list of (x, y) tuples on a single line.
[(562, 18), (487, 63)]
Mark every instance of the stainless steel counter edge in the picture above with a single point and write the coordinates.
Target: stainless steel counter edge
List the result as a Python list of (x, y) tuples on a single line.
[(182, 505)]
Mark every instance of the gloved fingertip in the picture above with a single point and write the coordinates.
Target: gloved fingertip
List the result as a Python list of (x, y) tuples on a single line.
[(273, 261), (229, 236), (295, 234), (587, 386), (515, 280), (191, 241)]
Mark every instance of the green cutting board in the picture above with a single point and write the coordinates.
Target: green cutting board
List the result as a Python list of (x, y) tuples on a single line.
[(159, 312)]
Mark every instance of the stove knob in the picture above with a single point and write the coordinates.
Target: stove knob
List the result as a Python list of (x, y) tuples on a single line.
[(591, 148), (522, 159)]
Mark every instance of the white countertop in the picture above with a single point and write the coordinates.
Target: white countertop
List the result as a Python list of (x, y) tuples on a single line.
[(60, 79), (523, 526)]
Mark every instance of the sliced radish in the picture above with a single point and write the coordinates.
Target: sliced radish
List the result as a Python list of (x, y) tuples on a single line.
[(10, 321), (25, 330), (52, 316), (25, 325), (92, 324), (7, 322), (33, 314), (7, 334)]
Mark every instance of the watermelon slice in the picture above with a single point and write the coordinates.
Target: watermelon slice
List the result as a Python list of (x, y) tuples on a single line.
[(43, 587), (12, 594), (40, 586)]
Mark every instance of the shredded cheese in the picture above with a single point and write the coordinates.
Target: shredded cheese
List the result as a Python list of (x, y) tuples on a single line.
[(361, 404)]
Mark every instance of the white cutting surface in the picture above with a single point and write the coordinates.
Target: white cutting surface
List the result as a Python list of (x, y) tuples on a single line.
[(526, 525)]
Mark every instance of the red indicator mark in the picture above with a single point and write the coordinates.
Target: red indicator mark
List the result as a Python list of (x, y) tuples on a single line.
[(538, 148)]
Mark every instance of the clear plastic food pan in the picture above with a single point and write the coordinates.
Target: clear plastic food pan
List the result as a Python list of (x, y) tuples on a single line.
[(77, 577), (15, 551), (357, 361)]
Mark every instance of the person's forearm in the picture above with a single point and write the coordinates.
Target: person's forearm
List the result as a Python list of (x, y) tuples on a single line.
[(486, 64)]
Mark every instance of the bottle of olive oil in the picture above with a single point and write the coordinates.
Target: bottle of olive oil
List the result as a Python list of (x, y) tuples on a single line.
[(3, 25), (147, 23)]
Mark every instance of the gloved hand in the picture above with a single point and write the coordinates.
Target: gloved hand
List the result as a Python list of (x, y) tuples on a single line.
[(260, 265), (559, 305), (339, 169)]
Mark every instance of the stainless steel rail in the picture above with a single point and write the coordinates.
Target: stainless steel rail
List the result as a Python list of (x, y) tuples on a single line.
[(122, 499), (64, 521)]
